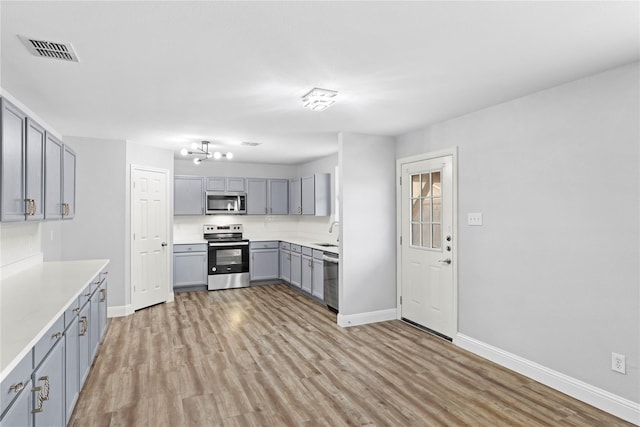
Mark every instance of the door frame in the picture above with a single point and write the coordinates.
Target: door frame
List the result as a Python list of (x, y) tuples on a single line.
[(167, 172), (453, 152)]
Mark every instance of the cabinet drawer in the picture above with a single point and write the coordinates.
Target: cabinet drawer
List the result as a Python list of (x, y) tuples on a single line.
[(199, 247), (52, 336), (307, 251), (264, 245), (317, 254), (95, 283), (71, 313), (285, 245), (296, 248), (11, 386)]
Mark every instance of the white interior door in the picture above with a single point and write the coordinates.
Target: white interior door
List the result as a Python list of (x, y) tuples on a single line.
[(150, 228), (427, 250)]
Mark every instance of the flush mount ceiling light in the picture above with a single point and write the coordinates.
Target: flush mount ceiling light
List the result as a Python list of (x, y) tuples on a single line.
[(319, 99), (203, 150)]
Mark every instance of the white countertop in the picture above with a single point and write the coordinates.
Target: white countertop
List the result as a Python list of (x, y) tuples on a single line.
[(32, 300), (309, 242)]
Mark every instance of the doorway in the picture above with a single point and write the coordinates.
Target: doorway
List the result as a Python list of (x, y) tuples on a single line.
[(149, 236), (427, 249)]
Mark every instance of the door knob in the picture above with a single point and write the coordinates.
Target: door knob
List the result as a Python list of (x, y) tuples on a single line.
[(446, 260), (164, 244)]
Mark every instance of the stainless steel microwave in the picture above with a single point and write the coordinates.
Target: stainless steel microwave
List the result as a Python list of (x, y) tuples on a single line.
[(217, 203)]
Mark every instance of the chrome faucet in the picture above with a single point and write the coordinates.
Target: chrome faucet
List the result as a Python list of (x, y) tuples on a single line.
[(334, 223)]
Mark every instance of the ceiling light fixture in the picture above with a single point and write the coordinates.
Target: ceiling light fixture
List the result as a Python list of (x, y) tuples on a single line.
[(203, 150), (319, 99)]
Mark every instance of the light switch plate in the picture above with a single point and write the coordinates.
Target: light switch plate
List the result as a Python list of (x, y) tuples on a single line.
[(474, 218)]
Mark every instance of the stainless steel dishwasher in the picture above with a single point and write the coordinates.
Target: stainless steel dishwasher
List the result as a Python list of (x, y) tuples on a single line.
[(330, 263)]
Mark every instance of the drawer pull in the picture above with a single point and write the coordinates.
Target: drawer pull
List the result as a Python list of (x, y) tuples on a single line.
[(87, 295), (76, 310), (56, 335), (17, 387), (46, 387)]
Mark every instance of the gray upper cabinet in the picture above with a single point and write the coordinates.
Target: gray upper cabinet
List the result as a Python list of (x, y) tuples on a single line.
[(215, 183), (188, 195), (12, 203), (295, 196), (256, 196), (278, 196), (68, 183), (267, 196), (316, 194), (34, 175), (53, 178)]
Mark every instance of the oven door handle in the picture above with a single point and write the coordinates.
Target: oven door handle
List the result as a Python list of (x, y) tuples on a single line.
[(229, 244)]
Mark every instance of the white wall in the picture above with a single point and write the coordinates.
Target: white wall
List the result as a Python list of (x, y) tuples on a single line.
[(552, 276), (368, 217), (98, 229), (18, 242)]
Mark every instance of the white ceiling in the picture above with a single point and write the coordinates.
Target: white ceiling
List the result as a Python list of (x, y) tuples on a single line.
[(171, 73)]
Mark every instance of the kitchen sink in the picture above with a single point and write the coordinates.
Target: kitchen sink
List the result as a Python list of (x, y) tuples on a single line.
[(326, 245)]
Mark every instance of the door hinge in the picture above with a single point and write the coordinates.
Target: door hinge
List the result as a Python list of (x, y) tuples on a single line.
[(400, 180), (400, 240), (400, 299)]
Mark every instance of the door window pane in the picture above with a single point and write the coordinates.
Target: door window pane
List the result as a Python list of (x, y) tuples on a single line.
[(426, 210)]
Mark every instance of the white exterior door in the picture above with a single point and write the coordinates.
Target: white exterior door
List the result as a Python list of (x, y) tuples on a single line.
[(150, 228), (427, 291)]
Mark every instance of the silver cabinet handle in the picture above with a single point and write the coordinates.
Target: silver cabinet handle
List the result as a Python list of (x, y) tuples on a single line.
[(56, 335), (103, 295), (17, 387), (446, 260), (40, 400)]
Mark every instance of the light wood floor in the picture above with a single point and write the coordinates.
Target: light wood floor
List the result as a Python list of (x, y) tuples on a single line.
[(269, 356)]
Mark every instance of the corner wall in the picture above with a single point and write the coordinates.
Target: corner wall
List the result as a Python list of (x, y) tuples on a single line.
[(368, 233), (552, 276)]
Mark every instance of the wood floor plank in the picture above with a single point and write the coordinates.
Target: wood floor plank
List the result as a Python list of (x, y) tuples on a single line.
[(270, 356)]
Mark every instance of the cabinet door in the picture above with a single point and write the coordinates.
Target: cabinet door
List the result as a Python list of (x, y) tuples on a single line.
[(188, 195), (264, 264), (308, 195), (34, 165), (94, 325), (285, 265), (296, 269), (307, 265), (53, 178), (278, 197), (72, 367), (50, 377), (12, 204), (216, 183), (295, 201), (68, 183), (189, 269), (235, 184), (102, 309), (83, 342), (256, 196), (317, 280), (19, 414)]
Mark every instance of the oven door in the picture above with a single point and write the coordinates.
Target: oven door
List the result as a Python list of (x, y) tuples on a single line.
[(228, 265)]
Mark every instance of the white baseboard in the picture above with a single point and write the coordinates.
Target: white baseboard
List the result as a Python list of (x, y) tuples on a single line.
[(120, 311), (594, 396), (369, 317), (171, 297)]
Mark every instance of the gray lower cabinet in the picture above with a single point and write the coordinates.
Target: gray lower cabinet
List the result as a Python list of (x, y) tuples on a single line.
[(188, 195), (285, 261), (48, 383), (19, 414), (307, 269), (189, 265), (317, 278), (72, 366), (94, 325), (264, 264), (102, 309), (296, 266), (84, 342)]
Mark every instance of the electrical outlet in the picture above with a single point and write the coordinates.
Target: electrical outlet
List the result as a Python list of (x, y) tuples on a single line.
[(618, 363)]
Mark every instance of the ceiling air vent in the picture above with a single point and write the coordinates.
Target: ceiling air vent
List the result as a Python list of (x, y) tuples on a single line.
[(250, 144), (47, 49)]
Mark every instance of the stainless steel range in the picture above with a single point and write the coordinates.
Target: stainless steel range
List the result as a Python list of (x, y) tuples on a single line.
[(228, 265)]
